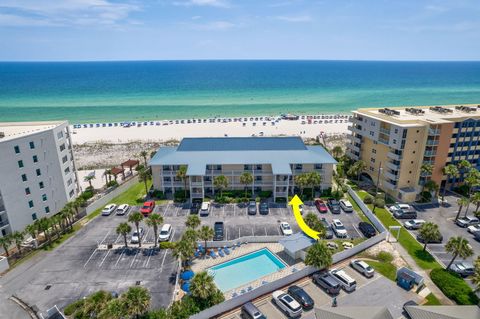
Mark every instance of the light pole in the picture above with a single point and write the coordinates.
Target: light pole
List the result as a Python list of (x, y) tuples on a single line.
[(378, 178)]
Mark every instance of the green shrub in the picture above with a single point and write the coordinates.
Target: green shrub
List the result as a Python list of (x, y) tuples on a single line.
[(265, 194), (337, 194), (166, 245), (87, 194), (462, 190), (368, 199), (326, 192), (179, 196), (158, 194), (280, 200), (73, 307), (385, 257), (112, 183), (454, 287), (139, 167)]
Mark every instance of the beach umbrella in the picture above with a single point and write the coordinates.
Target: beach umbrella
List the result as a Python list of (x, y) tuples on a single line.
[(186, 287), (187, 275)]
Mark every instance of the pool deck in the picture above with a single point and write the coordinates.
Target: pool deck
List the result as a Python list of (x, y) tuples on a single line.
[(202, 264)]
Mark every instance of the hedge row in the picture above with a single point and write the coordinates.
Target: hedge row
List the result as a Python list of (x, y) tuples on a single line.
[(454, 287)]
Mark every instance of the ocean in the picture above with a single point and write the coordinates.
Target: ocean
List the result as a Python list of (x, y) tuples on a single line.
[(117, 91)]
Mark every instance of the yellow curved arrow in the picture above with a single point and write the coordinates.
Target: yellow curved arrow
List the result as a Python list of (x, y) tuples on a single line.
[(295, 203)]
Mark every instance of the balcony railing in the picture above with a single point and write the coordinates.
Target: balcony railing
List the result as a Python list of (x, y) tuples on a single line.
[(391, 175), (430, 153), (393, 166), (384, 131), (383, 141), (388, 185), (4, 222), (433, 132), (394, 156), (432, 142)]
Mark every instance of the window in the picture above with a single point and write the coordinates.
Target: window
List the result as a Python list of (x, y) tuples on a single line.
[(20, 164), (372, 160), (24, 177), (69, 182), (318, 166), (39, 172), (17, 149), (35, 158), (32, 145), (30, 203), (396, 131), (44, 197), (167, 179), (34, 216), (374, 151), (71, 193), (371, 133), (67, 170), (62, 147), (247, 167), (47, 209), (27, 191), (41, 185), (60, 135), (298, 166), (259, 167), (164, 167), (64, 159), (258, 178)]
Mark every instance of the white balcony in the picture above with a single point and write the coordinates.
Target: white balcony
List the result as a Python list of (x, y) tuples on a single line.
[(394, 156), (390, 165), (390, 175), (386, 184)]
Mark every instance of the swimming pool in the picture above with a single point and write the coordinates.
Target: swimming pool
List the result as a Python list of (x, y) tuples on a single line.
[(244, 269)]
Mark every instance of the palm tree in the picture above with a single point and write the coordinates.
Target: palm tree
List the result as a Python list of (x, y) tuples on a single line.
[(44, 226), (458, 247), (137, 301), (89, 179), (378, 202), (450, 171), (154, 220), (95, 303), (314, 223), (77, 203), (475, 199), (205, 233), (182, 175), (463, 166), (425, 170), (461, 202), (337, 151), (301, 181), (115, 309), (5, 242), (136, 218), (144, 155), (124, 229), (190, 235), (313, 179), (429, 232), (318, 255), (202, 286), (220, 182), (357, 168), (31, 229), (193, 221), (431, 186), (184, 250), (144, 175), (246, 179), (472, 179), (476, 275)]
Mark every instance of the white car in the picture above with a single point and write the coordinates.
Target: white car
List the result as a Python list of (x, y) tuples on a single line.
[(204, 209), (473, 229), (285, 228), (339, 229), (136, 237), (346, 206), (362, 267), (287, 304), (110, 208), (165, 233), (398, 207), (413, 223), (122, 209)]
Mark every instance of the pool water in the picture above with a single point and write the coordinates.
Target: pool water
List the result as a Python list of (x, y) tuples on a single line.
[(244, 269)]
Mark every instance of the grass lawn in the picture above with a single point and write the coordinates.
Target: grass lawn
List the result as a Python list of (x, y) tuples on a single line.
[(414, 248), (385, 269), (357, 209), (432, 300)]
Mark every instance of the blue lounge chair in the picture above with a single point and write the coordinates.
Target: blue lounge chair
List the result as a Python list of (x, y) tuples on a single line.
[(249, 288), (220, 252), (226, 250), (212, 254), (234, 295), (197, 254)]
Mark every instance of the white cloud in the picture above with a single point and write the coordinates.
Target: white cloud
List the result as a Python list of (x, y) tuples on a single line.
[(196, 17), (203, 3), (215, 26), (64, 12), (299, 18)]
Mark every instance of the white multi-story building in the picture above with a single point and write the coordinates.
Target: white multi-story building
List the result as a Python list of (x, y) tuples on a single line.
[(272, 161), (37, 172)]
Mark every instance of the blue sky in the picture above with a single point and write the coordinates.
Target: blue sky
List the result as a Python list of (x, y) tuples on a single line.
[(227, 29)]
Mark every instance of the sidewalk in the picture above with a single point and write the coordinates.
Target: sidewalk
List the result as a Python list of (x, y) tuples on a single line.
[(428, 282)]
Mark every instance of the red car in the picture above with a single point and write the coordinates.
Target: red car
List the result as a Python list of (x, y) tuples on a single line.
[(322, 208), (147, 208)]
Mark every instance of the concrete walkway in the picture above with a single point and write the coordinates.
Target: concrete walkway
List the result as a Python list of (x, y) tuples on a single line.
[(10, 309), (428, 282)]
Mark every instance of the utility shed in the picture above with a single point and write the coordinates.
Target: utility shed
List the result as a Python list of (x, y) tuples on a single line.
[(293, 245)]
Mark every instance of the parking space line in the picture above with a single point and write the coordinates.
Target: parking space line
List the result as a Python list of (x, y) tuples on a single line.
[(119, 236), (121, 255), (253, 233), (176, 211), (238, 232), (265, 227), (146, 236), (105, 237), (354, 227), (278, 230), (90, 257), (135, 257), (108, 252), (234, 210), (163, 260), (145, 264), (173, 235)]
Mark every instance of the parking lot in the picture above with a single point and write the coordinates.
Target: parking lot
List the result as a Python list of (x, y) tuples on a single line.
[(376, 291)]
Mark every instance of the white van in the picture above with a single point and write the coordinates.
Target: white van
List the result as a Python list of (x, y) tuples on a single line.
[(346, 206), (165, 233), (348, 283)]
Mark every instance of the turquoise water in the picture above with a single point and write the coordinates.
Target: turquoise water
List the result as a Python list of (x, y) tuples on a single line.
[(242, 270), (115, 91)]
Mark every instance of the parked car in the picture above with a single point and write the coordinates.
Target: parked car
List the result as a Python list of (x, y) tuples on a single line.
[(327, 282), (122, 209), (321, 206), (107, 210), (413, 224), (137, 236), (346, 206), (328, 228), (165, 233), (437, 241), (147, 208), (205, 209), (362, 267), (218, 229), (287, 304), (477, 235), (467, 221), (399, 206), (250, 311), (405, 214), (348, 283), (301, 297), (474, 228), (263, 208), (339, 229), (463, 268), (367, 229), (285, 228), (333, 205), (252, 207), (195, 207)]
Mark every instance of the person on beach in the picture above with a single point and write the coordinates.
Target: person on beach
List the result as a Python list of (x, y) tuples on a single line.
[(334, 302)]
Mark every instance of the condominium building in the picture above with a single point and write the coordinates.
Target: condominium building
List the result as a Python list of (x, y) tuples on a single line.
[(272, 161), (395, 142), (37, 172)]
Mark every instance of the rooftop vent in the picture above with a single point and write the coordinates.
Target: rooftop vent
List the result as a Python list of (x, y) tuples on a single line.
[(467, 109), (441, 109), (388, 111), (414, 111)]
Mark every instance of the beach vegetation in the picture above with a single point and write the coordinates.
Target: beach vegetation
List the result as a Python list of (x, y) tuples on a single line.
[(89, 179), (314, 223), (193, 221), (144, 176), (144, 154), (113, 183), (337, 151)]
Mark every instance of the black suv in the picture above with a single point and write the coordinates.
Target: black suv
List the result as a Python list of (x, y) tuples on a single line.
[(301, 297), (195, 207), (405, 214), (263, 208), (252, 207), (218, 229), (367, 229), (333, 205), (327, 282)]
